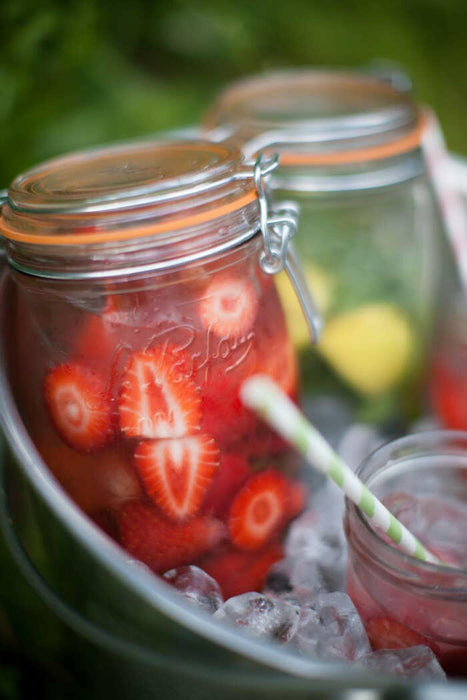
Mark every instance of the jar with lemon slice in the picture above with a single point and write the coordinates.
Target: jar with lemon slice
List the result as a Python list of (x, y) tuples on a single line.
[(370, 240)]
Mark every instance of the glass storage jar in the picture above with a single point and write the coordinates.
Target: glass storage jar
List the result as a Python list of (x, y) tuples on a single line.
[(404, 601), (370, 241), (138, 305)]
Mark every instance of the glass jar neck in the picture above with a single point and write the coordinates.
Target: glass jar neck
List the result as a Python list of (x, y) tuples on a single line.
[(350, 177), (136, 255)]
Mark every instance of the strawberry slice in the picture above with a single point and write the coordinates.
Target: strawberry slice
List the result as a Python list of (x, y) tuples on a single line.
[(79, 406), (98, 334), (229, 305), (177, 473), (449, 390), (232, 473), (386, 633), (94, 341), (93, 484), (239, 572), (258, 510), (224, 415), (161, 545), (260, 443), (297, 499), (157, 399), (279, 362)]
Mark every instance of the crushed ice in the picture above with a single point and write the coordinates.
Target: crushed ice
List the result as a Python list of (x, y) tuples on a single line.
[(303, 603)]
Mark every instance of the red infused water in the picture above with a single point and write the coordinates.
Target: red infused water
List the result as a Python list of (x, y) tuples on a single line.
[(132, 331)]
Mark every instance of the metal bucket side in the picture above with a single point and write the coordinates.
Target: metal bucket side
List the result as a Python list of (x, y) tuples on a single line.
[(129, 615)]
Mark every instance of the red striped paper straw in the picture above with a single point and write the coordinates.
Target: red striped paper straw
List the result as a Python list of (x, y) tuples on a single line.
[(453, 209)]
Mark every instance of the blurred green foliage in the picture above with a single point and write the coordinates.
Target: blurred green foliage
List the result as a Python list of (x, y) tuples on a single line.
[(79, 72), (75, 73)]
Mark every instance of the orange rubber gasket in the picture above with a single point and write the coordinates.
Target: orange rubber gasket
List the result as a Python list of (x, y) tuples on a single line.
[(402, 145), (129, 233)]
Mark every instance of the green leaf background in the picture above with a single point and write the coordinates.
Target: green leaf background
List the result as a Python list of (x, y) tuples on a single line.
[(75, 73)]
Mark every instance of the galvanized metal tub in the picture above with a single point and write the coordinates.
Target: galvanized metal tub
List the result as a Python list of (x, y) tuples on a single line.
[(115, 630)]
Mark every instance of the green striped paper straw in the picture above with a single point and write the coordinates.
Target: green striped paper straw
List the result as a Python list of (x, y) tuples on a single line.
[(262, 395)]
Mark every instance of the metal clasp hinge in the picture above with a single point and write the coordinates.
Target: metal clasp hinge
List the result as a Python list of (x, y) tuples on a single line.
[(278, 226)]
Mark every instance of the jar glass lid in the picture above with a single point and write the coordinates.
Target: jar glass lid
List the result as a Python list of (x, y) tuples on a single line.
[(126, 191), (317, 116), (120, 176)]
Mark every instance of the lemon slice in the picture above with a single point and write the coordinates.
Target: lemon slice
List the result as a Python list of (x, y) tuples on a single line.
[(370, 347), (321, 287)]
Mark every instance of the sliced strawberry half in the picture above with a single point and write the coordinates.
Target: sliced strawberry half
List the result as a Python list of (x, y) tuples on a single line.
[(386, 633), (239, 572), (79, 406), (176, 474), (232, 473), (157, 399), (259, 510), (162, 545), (229, 305)]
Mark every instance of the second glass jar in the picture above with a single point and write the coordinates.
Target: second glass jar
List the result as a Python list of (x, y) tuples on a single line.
[(370, 240)]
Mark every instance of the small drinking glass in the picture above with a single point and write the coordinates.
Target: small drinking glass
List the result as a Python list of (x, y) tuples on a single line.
[(405, 602)]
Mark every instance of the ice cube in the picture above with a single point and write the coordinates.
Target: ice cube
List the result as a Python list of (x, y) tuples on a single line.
[(424, 424), (136, 565), (196, 586), (320, 525), (278, 579), (278, 585), (299, 580), (329, 414), (302, 535), (357, 443), (330, 627), (440, 522), (411, 662), (261, 616), (311, 576), (328, 503), (316, 544)]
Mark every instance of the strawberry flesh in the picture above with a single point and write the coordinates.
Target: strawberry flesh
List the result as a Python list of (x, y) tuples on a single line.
[(157, 399), (297, 499), (229, 305), (386, 633), (279, 362), (239, 572), (163, 545), (107, 484), (176, 474), (79, 406), (259, 510), (224, 415), (232, 473)]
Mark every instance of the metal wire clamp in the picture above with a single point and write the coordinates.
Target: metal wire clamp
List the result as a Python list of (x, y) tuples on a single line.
[(278, 226)]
